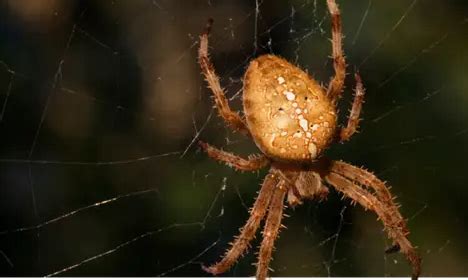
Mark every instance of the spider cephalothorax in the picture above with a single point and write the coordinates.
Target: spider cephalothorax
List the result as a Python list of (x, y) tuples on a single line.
[(292, 119)]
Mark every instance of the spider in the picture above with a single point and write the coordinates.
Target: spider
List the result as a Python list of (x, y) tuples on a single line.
[(292, 120)]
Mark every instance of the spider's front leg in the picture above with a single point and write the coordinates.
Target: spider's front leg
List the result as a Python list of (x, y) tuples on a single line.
[(370, 181), (366, 179), (253, 163), (232, 118), (391, 218), (271, 230), (247, 233)]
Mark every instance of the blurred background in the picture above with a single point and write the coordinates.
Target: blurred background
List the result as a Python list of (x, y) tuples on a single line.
[(101, 103)]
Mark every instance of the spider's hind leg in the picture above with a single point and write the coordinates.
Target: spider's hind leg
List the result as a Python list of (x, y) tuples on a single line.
[(353, 118), (230, 117), (335, 87)]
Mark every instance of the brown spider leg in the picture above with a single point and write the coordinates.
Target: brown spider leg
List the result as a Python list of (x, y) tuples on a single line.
[(232, 118), (369, 180), (253, 163), (247, 233), (336, 84), (393, 224), (271, 230), (353, 119), (366, 178)]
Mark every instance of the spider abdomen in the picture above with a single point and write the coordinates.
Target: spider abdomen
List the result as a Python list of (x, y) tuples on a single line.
[(288, 113)]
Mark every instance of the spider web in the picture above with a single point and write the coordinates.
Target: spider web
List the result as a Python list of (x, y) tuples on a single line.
[(102, 103)]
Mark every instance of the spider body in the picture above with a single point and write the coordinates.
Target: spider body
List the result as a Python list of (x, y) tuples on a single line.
[(292, 119), (288, 114)]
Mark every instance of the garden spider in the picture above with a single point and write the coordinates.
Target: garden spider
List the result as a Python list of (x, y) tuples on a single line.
[(292, 120)]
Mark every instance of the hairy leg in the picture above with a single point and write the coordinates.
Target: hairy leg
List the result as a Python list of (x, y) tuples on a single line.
[(393, 223), (271, 230), (253, 163), (248, 231), (367, 179), (336, 84), (353, 119), (370, 181), (232, 118)]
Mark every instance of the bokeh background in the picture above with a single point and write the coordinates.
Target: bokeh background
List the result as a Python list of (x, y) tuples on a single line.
[(101, 102)]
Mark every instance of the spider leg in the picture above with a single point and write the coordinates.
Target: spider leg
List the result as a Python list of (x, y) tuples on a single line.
[(393, 223), (369, 180), (253, 163), (366, 178), (230, 117), (271, 230), (353, 118), (247, 233), (336, 84)]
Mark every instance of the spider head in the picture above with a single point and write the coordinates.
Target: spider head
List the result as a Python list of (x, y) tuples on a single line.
[(288, 113)]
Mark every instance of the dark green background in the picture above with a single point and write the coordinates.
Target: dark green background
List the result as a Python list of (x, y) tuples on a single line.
[(93, 91)]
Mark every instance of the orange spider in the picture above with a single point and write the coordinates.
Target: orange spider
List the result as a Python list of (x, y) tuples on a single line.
[(292, 120)]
